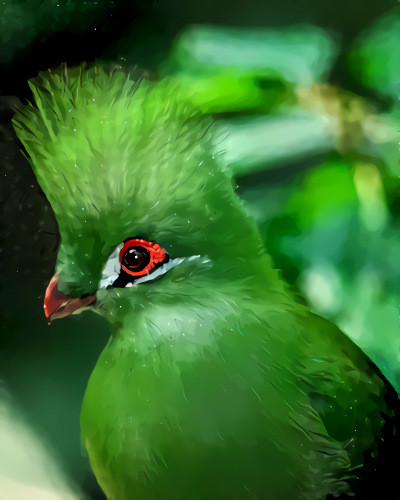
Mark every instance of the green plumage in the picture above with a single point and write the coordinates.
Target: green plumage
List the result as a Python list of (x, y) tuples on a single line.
[(216, 382)]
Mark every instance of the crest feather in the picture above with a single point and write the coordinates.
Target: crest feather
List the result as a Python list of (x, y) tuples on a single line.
[(91, 130)]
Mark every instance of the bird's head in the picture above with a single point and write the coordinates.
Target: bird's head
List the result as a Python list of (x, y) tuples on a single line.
[(128, 168)]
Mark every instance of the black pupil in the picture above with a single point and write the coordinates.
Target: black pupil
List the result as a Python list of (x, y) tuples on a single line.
[(136, 258)]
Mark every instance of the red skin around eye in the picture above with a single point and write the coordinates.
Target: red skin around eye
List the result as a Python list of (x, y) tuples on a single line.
[(157, 255)]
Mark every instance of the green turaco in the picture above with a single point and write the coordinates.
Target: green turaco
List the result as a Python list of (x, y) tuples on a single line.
[(216, 382)]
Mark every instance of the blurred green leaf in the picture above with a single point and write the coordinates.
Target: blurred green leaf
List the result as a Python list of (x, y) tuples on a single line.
[(300, 55), (375, 57)]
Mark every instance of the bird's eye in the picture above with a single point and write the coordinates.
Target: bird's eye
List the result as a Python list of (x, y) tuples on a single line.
[(135, 259), (139, 257)]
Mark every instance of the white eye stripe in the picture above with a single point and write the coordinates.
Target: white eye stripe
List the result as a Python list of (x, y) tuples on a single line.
[(160, 271)]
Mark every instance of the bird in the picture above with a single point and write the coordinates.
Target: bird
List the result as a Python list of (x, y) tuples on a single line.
[(217, 381)]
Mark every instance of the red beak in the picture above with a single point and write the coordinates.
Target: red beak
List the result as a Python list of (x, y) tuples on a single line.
[(58, 305)]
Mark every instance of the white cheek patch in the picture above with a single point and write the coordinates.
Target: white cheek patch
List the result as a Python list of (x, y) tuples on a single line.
[(112, 269)]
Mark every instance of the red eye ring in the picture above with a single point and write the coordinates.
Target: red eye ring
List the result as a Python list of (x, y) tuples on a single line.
[(156, 255)]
